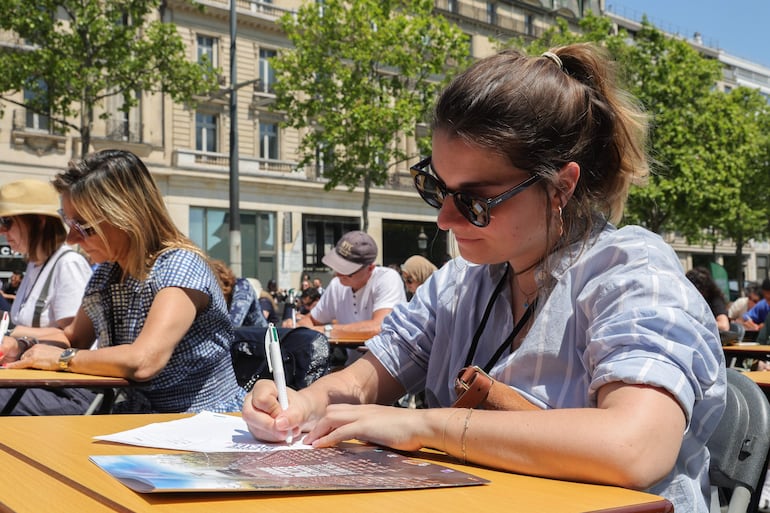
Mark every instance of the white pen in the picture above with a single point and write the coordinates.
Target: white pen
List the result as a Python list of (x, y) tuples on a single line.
[(4, 324), (275, 364)]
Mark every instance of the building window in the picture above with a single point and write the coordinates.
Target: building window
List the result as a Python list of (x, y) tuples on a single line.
[(37, 99), (452, 6), (324, 158), (762, 268), (491, 13), (207, 50), (268, 140), (529, 24), (266, 71), (124, 124), (320, 234), (206, 132), (210, 230)]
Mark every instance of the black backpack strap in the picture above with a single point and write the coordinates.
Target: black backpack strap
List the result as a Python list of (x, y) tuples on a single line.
[(43, 296)]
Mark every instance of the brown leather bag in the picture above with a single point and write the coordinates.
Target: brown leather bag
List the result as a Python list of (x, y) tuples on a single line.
[(477, 389)]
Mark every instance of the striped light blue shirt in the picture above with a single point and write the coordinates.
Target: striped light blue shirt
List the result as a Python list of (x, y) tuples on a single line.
[(619, 310)]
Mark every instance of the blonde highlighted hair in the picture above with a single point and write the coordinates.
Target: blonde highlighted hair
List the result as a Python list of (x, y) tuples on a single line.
[(115, 187)]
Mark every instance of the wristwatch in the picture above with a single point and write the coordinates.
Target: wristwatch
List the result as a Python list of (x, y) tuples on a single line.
[(66, 357)]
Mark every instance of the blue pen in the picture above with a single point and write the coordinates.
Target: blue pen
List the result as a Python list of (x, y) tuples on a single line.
[(275, 364)]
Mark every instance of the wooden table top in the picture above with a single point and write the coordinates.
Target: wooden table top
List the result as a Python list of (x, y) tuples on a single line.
[(349, 340), (746, 347), (45, 468), (35, 378), (761, 378)]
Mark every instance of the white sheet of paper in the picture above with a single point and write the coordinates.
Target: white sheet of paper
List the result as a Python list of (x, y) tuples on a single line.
[(204, 432)]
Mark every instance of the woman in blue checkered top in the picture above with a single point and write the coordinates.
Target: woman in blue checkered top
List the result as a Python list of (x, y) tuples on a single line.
[(153, 303)]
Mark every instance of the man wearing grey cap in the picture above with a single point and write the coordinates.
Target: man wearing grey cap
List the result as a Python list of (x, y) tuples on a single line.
[(361, 293)]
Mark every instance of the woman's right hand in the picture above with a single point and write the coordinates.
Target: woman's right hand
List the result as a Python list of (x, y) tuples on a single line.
[(266, 419)]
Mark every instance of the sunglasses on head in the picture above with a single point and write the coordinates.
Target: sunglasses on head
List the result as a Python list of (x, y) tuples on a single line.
[(473, 208), (6, 222), (85, 230)]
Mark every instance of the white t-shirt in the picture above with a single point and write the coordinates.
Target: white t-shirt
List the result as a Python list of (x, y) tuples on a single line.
[(69, 276), (385, 289)]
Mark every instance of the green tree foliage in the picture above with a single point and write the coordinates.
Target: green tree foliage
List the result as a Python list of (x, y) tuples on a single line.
[(670, 80), (711, 172), (360, 77), (727, 187), (72, 54)]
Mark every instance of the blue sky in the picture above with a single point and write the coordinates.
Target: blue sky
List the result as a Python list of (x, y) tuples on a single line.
[(739, 27)]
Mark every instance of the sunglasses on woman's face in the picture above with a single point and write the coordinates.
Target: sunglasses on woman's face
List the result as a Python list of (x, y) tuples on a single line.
[(84, 230), (6, 222), (473, 208)]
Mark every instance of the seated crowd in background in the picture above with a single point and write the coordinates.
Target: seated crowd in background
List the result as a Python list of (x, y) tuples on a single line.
[(240, 296), (752, 296), (708, 288)]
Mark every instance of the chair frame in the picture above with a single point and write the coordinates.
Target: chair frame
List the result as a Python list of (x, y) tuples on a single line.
[(739, 446)]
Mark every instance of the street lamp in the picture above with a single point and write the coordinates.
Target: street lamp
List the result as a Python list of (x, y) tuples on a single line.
[(422, 241)]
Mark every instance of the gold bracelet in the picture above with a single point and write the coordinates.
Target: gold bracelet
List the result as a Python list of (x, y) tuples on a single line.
[(465, 431)]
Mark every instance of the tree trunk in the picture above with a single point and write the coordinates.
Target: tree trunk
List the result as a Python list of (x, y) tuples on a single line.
[(86, 123)]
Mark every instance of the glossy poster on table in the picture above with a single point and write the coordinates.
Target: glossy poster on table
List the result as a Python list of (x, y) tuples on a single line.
[(345, 467)]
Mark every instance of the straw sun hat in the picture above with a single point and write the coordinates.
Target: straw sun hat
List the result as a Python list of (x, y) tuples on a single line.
[(28, 196)]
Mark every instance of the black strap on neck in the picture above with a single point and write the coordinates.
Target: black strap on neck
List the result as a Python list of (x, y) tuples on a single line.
[(516, 329), (485, 317), (507, 342)]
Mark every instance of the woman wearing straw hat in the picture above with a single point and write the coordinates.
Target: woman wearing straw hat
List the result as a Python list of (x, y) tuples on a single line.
[(56, 275), (53, 284)]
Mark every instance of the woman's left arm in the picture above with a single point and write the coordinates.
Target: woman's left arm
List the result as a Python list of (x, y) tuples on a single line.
[(622, 442), (171, 314), (631, 439)]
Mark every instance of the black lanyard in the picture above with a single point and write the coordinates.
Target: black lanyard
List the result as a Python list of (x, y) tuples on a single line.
[(507, 342)]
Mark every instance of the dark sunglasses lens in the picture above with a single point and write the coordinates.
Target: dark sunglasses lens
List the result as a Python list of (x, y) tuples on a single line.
[(429, 188), (6, 222), (473, 209)]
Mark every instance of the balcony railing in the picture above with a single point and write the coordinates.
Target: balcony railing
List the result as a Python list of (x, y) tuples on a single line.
[(261, 9), (502, 19), (220, 163)]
